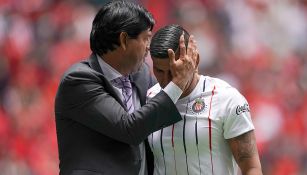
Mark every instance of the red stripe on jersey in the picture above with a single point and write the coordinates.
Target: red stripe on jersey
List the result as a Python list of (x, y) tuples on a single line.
[(210, 129)]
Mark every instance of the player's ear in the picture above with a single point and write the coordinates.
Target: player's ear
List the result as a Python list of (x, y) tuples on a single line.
[(123, 38)]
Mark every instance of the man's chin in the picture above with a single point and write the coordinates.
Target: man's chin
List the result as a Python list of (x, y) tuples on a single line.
[(136, 69)]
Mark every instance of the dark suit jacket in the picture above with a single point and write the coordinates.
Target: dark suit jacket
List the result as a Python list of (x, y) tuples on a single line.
[(95, 133)]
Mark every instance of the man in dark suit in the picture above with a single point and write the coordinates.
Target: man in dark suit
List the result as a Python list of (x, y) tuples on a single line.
[(101, 116)]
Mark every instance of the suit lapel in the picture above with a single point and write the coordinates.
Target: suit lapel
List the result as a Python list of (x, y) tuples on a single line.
[(94, 64), (139, 80)]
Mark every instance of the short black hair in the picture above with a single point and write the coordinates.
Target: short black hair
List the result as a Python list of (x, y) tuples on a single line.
[(116, 17), (167, 38)]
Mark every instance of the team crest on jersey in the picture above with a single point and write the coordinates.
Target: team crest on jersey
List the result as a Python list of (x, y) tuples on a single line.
[(198, 106)]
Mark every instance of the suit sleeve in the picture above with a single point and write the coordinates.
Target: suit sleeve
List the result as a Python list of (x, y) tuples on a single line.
[(82, 97)]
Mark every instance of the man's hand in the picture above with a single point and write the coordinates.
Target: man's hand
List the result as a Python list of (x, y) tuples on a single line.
[(183, 69)]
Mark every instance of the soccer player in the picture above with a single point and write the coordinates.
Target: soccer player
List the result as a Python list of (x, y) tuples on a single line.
[(216, 135)]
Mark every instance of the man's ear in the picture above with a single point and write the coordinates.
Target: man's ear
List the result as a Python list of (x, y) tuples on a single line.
[(123, 38)]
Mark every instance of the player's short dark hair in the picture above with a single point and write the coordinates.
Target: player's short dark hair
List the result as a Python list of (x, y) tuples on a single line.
[(167, 38), (116, 17)]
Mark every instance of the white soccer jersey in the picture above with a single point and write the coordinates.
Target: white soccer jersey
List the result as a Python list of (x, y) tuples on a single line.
[(212, 113)]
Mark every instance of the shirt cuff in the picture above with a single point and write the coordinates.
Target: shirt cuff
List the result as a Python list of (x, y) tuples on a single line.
[(173, 91)]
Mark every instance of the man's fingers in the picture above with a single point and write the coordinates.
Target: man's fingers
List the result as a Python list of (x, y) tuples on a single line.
[(194, 46), (195, 57), (190, 46), (171, 56), (194, 51), (182, 46)]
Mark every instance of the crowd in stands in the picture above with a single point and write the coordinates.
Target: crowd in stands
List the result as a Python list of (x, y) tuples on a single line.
[(258, 46)]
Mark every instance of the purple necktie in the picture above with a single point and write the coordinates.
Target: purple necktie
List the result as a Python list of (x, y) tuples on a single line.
[(125, 84)]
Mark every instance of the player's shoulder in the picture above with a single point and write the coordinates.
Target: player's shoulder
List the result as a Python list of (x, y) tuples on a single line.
[(222, 88), (153, 91), (217, 82)]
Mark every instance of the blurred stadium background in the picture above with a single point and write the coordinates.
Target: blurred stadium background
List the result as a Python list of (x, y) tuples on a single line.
[(258, 46)]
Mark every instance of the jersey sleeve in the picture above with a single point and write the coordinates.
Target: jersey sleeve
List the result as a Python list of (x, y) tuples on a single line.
[(152, 92), (237, 119)]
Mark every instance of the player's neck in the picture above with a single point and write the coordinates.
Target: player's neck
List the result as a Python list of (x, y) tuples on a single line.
[(192, 85)]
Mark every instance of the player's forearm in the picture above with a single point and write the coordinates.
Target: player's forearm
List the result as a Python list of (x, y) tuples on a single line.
[(253, 171), (251, 166), (245, 152)]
